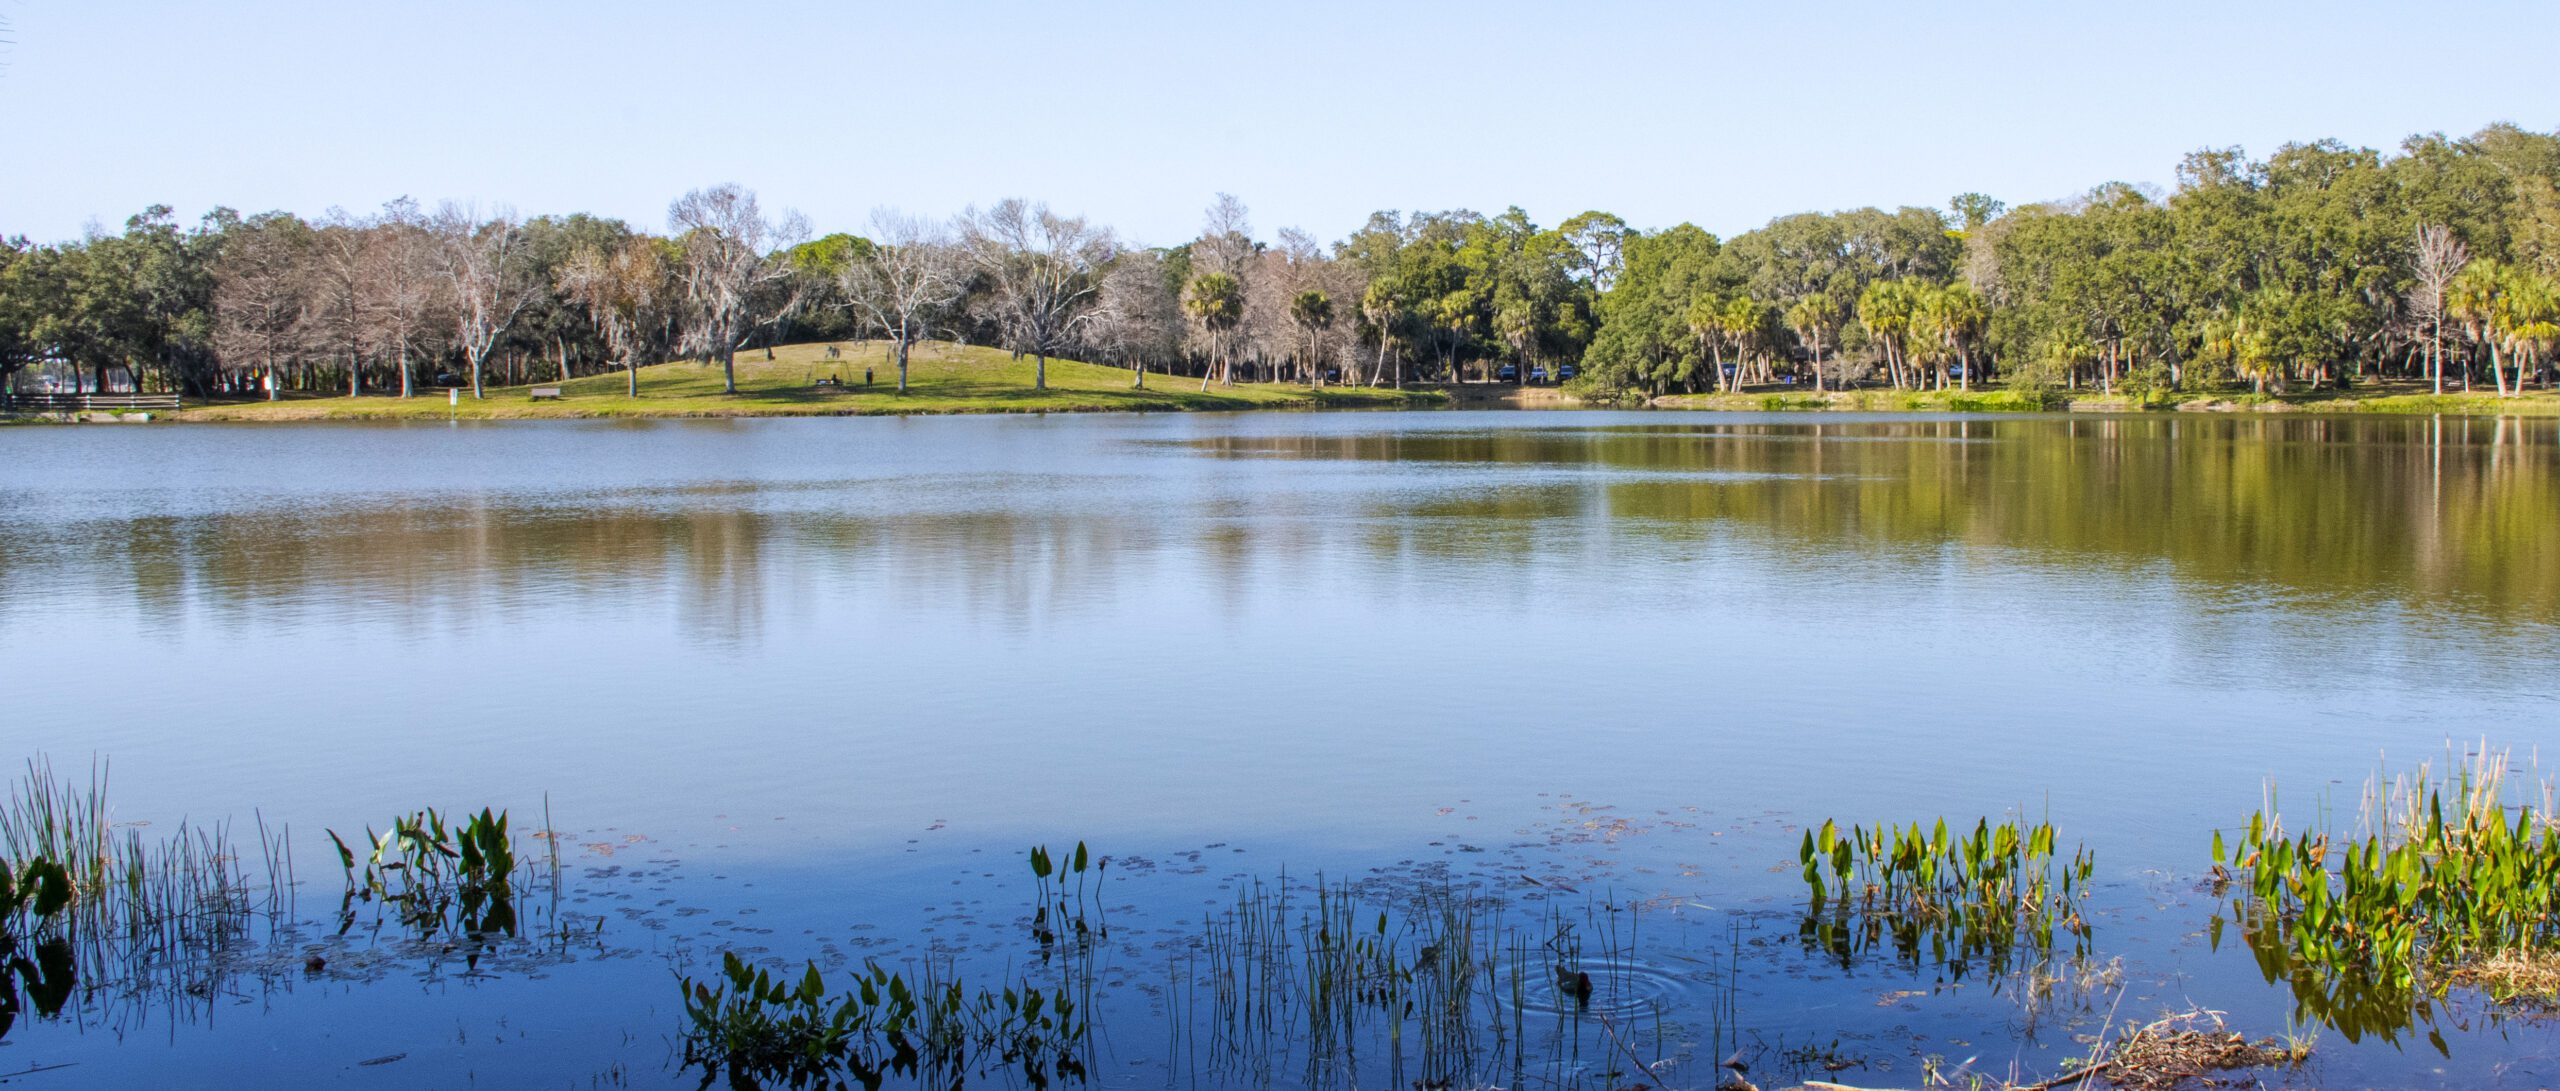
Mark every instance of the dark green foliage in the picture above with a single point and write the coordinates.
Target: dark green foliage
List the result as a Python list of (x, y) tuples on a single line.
[(1977, 896), (755, 1030), (33, 957), (435, 876), (2364, 928)]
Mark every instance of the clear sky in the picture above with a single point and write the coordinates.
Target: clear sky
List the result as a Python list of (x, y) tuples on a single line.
[(1314, 112)]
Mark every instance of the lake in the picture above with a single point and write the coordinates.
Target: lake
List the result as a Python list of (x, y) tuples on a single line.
[(809, 690)]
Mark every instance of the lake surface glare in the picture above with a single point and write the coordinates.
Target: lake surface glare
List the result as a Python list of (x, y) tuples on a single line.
[(808, 689)]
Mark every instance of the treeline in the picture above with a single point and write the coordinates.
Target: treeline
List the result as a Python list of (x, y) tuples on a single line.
[(2322, 265)]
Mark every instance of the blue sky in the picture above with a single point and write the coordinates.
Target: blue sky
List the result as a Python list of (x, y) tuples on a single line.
[(1314, 113)]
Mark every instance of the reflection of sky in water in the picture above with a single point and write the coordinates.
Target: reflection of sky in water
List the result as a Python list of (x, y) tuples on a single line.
[(1305, 634)]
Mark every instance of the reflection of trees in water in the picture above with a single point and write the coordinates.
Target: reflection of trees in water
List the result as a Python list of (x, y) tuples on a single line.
[(2459, 509), (419, 567), (2454, 516)]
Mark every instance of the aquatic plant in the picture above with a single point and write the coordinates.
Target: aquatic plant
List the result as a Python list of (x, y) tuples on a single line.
[(756, 1029), (33, 893), (1059, 907), (135, 918), (2448, 872), (425, 870), (1987, 890), (1421, 984)]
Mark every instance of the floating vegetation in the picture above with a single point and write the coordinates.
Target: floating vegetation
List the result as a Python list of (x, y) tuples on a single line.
[(2526, 980), (2447, 875), (1962, 900), (2184, 1050), (752, 1029)]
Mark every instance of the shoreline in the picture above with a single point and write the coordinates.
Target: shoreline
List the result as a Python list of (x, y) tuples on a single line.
[(1254, 397)]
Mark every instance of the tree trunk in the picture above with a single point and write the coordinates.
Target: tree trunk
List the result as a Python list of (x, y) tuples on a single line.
[(631, 377), (478, 360), (1039, 369), (406, 388), (902, 366), (729, 370)]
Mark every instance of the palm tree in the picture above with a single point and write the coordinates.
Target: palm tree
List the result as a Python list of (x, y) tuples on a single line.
[(1383, 311), (2243, 341), (2472, 299), (1813, 319), (1885, 310), (1215, 302), (1959, 315), (2526, 321), (1312, 310), (1706, 323), (1742, 324)]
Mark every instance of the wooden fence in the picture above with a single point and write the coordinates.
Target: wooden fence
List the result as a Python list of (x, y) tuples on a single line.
[(73, 403)]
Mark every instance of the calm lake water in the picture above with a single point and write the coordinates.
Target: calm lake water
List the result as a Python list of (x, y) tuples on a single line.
[(807, 689)]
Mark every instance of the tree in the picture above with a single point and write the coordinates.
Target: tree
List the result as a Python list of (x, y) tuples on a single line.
[(1949, 318), (340, 317), (1599, 243), (1384, 315), (2440, 258), (1043, 274), (401, 270), (1139, 315), (484, 267), (21, 301), (2472, 298), (1884, 309), (630, 293), (1815, 322), (905, 281), (729, 270), (259, 296), (1312, 311), (2524, 321), (1215, 305)]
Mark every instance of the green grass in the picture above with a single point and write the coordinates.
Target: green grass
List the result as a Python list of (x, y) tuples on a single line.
[(942, 378)]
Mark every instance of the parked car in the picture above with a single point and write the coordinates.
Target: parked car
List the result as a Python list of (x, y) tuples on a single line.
[(1567, 372), (1538, 374), (1510, 373)]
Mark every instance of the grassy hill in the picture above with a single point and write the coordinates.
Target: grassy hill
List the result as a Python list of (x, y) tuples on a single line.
[(942, 378)]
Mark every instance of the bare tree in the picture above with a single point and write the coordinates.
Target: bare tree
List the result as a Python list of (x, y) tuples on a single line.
[(730, 267), (259, 295), (1043, 271), (628, 293), (485, 268), (339, 311), (401, 259), (907, 282), (2440, 258), (1138, 316), (1226, 239)]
